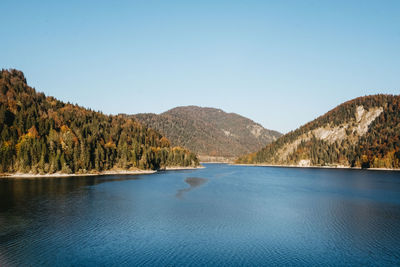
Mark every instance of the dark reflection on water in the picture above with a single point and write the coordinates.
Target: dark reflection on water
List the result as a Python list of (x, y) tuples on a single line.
[(243, 216), (24, 195), (14, 191), (193, 182)]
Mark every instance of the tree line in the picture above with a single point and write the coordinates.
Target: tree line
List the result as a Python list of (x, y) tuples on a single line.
[(378, 148), (40, 134)]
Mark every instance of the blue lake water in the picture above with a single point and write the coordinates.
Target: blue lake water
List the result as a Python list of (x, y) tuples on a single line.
[(220, 215)]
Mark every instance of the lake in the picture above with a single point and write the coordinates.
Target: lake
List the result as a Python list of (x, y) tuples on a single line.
[(220, 215)]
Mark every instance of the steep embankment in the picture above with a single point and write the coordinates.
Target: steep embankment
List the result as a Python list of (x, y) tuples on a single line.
[(363, 132)]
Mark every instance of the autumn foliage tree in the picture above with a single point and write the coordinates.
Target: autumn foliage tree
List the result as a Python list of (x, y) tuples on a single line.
[(40, 134), (379, 147)]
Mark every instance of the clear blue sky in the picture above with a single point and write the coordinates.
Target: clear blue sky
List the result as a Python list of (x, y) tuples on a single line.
[(280, 63)]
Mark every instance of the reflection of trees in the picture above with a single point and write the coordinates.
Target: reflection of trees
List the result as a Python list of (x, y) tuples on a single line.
[(18, 193), (26, 204), (193, 182)]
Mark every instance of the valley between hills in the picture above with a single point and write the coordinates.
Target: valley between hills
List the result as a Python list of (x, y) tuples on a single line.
[(41, 135)]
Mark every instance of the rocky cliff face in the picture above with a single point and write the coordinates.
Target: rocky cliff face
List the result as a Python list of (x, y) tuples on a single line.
[(363, 132)]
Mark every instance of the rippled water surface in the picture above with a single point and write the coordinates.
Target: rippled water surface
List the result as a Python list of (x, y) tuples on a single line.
[(220, 215)]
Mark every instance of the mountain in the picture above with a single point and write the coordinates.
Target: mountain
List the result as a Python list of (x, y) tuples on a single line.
[(212, 133), (363, 132), (40, 134)]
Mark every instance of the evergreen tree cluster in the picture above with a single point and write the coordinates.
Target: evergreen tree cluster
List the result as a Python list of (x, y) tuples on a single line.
[(40, 134), (378, 148)]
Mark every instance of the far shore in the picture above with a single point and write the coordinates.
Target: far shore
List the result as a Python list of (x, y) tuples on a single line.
[(315, 167), (216, 162), (173, 168), (109, 172)]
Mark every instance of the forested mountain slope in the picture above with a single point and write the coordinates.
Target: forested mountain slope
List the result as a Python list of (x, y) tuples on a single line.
[(209, 131), (363, 132), (40, 134)]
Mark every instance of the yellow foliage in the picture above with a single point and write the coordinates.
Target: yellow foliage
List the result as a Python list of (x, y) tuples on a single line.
[(110, 144), (364, 158), (32, 132), (65, 128), (177, 148), (164, 142), (7, 144)]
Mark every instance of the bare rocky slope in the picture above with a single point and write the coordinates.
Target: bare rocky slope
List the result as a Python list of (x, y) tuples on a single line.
[(212, 133), (363, 132)]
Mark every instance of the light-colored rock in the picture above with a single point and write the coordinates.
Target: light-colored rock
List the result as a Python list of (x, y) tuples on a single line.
[(360, 111), (227, 133), (366, 119), (328, 133), (305, 163), (255, 129)]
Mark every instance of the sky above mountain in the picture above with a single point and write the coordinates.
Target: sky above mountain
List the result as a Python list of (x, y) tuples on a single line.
[(280, 63)]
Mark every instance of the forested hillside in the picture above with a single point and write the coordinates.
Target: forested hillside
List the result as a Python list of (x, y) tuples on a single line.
[(40, 134), (363, 132), (210, 132)]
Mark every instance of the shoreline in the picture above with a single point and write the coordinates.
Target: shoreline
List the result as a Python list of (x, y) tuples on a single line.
[(316, 167), (216, 162), (109, 172), (173, 168)]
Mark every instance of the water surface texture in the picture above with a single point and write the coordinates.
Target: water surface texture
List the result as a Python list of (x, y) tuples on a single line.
[(220, 215)]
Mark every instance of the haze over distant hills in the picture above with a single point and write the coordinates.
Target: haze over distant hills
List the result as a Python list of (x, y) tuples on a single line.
[(363, 132), (210, 132)]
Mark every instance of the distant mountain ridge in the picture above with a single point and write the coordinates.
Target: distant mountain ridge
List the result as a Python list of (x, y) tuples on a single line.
[(363, 132), (210, 132)]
